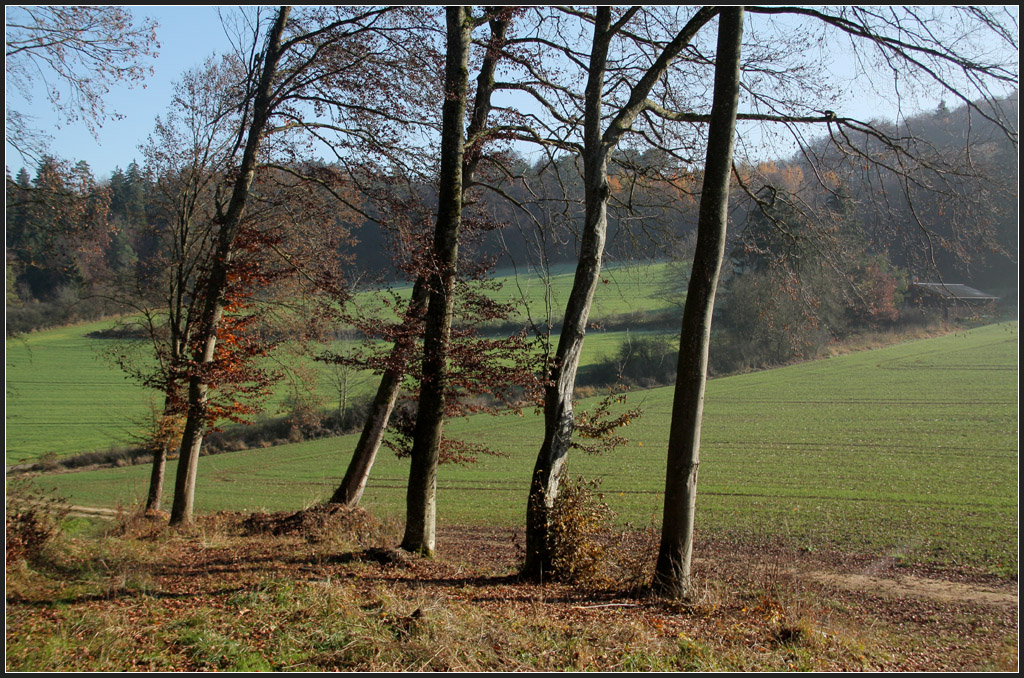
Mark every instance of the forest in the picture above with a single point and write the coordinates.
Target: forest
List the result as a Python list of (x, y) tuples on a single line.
[(388, 177)]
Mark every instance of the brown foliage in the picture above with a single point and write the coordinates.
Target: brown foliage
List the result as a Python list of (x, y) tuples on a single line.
[(316, 524), (596, 430), (32, 521), (578, 519)]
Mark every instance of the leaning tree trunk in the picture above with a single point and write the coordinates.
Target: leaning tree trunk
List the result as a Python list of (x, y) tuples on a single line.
[(213, 306), (672, 574), (352, 485), (420, 499), (160, 453)]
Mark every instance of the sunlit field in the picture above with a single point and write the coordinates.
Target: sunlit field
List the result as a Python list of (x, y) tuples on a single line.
[(909, 450)]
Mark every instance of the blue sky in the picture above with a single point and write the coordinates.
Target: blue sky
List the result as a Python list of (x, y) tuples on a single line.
[(187, 36)]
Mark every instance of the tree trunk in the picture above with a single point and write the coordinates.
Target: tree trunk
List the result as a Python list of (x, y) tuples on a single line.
[(672, 574), (213, 307), (558, 393), (156, 478), (351, 489), (188, 456), (420, 499)]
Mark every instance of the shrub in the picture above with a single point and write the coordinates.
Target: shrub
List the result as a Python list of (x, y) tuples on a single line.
[(641, 360), (32, 521), (579, 518)]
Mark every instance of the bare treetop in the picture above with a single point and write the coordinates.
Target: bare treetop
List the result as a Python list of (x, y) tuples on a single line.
[(77, 53)]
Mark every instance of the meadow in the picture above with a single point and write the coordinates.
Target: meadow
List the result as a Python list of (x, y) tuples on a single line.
[(65, 396), (908, 451)]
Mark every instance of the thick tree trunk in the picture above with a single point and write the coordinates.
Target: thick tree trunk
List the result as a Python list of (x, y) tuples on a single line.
[(672, 574), (213, 308), (420, 499), (191, 443), (352, 485)]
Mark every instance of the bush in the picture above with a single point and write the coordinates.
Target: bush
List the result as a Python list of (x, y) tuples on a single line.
[(32, 521), (579, 518), (641, 360), (765, 320)]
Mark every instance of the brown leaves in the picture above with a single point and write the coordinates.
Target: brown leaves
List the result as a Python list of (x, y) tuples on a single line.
[(596, 430)]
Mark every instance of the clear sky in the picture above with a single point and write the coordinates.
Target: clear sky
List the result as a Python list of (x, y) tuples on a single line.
[(187, 36)]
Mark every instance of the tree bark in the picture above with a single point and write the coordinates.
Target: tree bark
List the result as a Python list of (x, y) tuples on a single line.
[(420, 498), (350, 492), (213, 308), (159, 471), (558, 396), (156, 478), (351, 489), (672, 574), (558, 393)]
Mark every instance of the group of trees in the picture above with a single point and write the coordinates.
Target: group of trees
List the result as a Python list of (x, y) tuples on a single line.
[(635, 112)]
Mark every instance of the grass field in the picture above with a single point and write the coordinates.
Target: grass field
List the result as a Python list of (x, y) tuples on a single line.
[(908, 451), (64, 397), (624, 290)]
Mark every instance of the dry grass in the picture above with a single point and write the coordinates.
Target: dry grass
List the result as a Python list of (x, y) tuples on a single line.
[(310, 592)]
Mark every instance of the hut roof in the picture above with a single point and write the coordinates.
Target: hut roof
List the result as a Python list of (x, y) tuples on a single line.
[(955, 291)]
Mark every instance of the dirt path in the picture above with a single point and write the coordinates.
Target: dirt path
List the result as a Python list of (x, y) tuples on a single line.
[(93, 512), (919, 587)]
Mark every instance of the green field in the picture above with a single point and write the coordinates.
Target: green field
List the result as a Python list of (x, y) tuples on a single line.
[(908, 451), (64, 397), (624, 290)]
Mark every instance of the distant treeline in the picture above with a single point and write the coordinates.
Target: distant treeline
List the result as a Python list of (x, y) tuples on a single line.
[(70, 236)]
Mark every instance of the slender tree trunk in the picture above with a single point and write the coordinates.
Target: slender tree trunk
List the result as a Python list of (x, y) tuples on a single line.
[(156, 478), (351, 489), (159, 471), (420, 499), (213, 308), (672, 574), (352, 485)]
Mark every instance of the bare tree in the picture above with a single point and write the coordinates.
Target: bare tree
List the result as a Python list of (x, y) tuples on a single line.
[(601, 134), (78, 53), (912, 47)]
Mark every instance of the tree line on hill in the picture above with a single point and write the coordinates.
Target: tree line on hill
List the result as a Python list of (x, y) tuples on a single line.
[(69, 232), (231, 239)]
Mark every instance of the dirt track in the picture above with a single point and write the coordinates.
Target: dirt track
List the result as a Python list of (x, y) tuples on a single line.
[(919, 587)]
